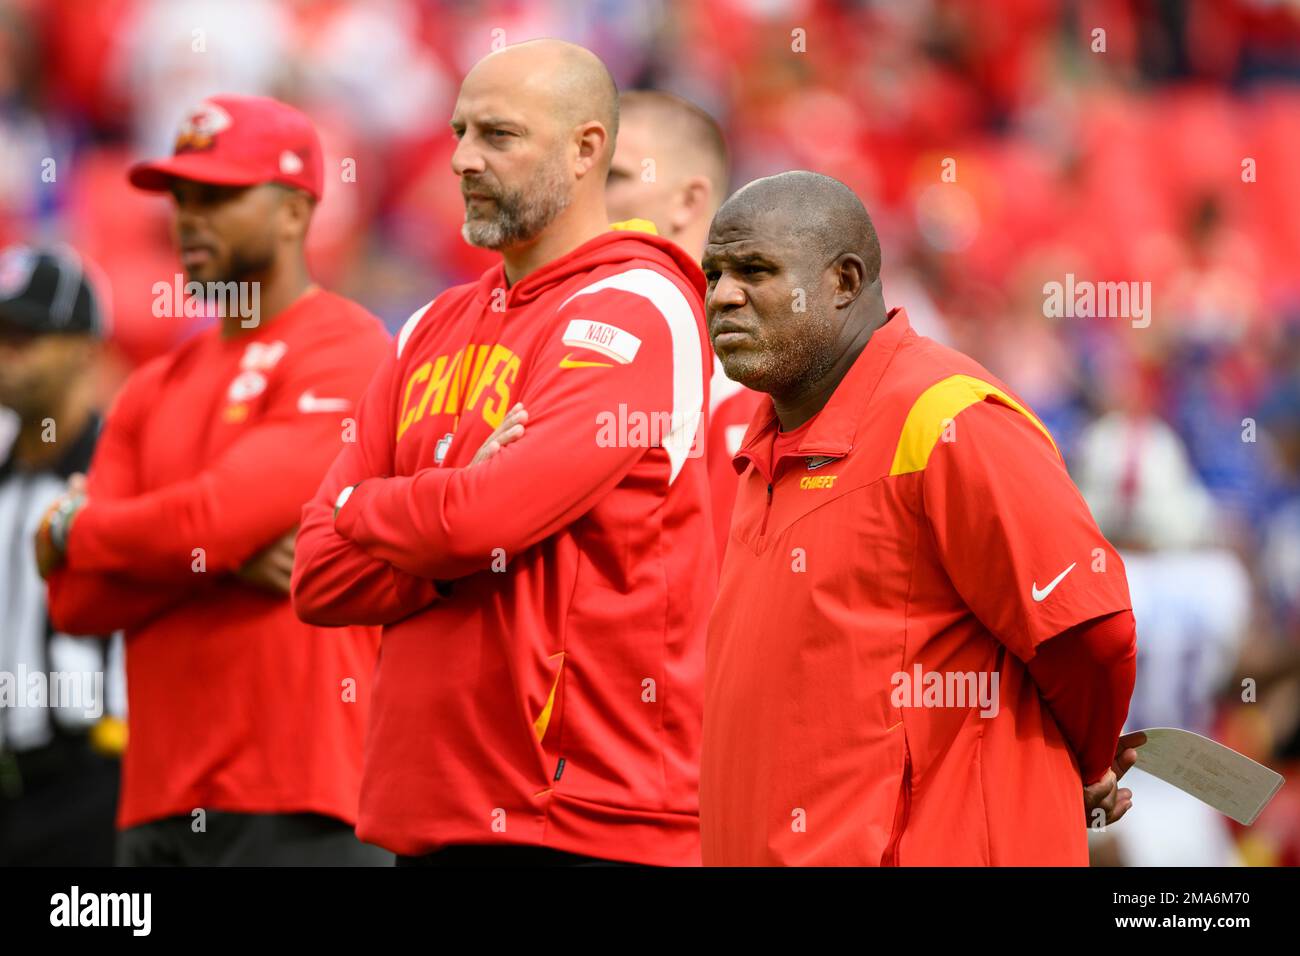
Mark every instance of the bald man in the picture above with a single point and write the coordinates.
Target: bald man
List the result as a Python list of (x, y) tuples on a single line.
[(922, 648), (670, 167), (523, 509)]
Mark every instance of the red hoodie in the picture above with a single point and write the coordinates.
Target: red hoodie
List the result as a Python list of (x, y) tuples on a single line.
[(547, 690)]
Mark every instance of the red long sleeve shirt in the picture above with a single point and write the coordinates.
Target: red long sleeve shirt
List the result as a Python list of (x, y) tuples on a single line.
[(1086, 678), (548, 690), (205, 458)]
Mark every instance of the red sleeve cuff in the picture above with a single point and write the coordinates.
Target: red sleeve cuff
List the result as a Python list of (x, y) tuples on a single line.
[(1085, 676)]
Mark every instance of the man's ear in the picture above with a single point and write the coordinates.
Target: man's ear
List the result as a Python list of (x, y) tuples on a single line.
[(591, 139), (296, 208), (691, 204), (850, 278)]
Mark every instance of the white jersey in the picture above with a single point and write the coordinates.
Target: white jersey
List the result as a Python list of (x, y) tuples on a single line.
[(1192, 609)]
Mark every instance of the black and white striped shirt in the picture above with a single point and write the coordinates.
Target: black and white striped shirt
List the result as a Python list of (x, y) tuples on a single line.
[(39, 665)]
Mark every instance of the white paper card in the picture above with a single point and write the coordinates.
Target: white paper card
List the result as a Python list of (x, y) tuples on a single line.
[(1230, 782)]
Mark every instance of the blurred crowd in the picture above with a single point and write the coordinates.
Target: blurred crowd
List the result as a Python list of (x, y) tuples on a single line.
[(998, 146)]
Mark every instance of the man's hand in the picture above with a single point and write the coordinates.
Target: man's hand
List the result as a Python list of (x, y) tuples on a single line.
[(272, 567), (510, 430), (47, 558), (52, 532), (1105, 795)]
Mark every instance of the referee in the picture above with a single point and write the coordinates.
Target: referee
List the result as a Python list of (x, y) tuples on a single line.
[(58, 750)]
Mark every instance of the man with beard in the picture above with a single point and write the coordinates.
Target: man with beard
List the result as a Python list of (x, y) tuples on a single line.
[(922, 648), (670, 167), (245, 724), (524, 514)]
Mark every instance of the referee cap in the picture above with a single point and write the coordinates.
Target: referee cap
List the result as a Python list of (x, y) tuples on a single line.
[(44, 291)]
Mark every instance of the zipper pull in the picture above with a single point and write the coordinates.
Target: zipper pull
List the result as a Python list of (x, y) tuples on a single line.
[(767, 510)]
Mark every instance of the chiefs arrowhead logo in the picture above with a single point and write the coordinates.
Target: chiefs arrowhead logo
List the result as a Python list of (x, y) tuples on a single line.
[(199, 127)]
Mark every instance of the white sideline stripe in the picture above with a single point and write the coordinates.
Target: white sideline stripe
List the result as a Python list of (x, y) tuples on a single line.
[(688, 359)]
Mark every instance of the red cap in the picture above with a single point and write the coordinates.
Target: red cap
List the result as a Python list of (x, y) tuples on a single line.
[(240, 141)]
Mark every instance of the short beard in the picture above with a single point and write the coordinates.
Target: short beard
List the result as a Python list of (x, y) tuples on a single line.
[(245, 263), (788, 369), (519, 217), (242, 264)]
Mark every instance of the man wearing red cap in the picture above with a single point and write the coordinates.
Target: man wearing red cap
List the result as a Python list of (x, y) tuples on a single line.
[(246, 724)]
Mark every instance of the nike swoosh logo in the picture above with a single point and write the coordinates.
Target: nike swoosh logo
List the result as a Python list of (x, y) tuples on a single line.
[(568, 362), (309, 403), (1038, 595)]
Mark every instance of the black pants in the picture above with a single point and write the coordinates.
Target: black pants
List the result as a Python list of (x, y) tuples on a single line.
[(507, 855), (57, 806), (247, 839)]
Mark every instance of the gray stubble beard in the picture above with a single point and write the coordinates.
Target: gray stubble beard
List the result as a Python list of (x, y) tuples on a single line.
[(520, 217)]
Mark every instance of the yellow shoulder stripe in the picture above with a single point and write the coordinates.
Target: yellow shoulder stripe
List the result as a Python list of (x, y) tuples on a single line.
[(636, 225), (936, 407)]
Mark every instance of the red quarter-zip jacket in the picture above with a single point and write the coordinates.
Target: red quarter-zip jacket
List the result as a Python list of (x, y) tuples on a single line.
[(892, 574), (541, 666)]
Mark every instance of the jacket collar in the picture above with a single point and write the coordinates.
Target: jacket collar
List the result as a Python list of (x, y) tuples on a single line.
[(835, 428)]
